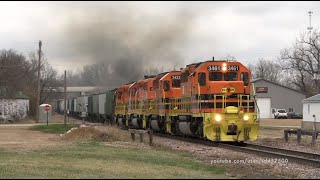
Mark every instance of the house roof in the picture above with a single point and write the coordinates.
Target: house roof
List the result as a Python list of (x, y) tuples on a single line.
[(261, 79), (315, 98)]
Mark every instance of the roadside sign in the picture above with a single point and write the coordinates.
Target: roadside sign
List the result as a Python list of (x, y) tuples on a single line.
[(47, 108)]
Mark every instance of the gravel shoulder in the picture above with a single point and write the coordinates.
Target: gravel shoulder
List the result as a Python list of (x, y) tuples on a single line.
[(253, 166)]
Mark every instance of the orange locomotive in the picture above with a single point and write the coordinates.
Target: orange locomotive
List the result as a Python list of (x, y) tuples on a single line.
[(121, 105), (138, 98), (167, 92), (208, 100), (216, 102)]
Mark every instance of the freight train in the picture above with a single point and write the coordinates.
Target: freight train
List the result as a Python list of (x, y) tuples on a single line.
[(211, 100)]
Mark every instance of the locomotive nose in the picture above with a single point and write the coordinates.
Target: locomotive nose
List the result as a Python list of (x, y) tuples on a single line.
[(228, 89)]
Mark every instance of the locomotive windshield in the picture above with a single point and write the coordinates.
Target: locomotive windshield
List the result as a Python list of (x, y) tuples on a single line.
[(166, 85), (119, 95), (202, 79), (215, 76), (176, 83), (231, 76), (245, 78)]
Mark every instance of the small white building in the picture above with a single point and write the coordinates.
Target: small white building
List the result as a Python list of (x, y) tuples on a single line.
[(311, 113), (13, 109), (43, 114)]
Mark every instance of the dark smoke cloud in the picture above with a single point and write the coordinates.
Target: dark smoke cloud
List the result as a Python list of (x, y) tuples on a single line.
[(128, 43)]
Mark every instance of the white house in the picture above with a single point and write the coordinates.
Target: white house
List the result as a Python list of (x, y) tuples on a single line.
[(311, 113)]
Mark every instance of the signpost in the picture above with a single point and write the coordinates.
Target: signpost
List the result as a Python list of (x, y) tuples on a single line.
[(47, 108)]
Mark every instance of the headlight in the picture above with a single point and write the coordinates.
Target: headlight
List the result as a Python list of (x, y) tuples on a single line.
[(224, 68), (218, 118), (224, 64), (246, 117)]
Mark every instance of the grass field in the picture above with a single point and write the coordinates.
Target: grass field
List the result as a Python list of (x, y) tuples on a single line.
[(53, 128), (96, 160)]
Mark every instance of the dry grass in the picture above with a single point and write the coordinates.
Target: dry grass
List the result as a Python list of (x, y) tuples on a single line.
[(90, 133), (115, 132)]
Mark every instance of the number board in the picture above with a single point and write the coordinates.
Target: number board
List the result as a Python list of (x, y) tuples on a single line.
[(175, 77), (233, 68), (213, 68)]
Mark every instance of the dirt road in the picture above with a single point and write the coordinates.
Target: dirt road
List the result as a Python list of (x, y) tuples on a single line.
[(24, 139)]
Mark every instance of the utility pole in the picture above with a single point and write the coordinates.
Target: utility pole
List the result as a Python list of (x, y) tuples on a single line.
[(38, 92), (65, 97), (310, 27), (316, 76)]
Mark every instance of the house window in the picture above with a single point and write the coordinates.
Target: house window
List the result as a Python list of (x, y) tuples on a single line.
[(308, 108), (291, 109)]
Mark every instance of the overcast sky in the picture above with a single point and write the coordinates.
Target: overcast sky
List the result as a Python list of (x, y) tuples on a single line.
[(245, 30)]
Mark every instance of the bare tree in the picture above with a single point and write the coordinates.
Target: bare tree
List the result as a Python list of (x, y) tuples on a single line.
[(229, 57), (19, 75), (14, 70), (302, 61), (49, 79), (266, 69)]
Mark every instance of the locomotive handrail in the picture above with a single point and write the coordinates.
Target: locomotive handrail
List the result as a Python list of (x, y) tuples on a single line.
[(255, 100), (199, 97), (248, 102), (214, 104), (240, 100), (224, 99), (135, 98)]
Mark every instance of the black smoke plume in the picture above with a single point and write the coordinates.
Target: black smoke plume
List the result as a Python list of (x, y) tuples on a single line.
[(122, 45)]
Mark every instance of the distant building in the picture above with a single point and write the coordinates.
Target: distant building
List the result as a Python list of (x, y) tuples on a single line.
[(311, 113), (272, 96), (14, 108)]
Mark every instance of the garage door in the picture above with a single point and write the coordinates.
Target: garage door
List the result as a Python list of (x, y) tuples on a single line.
[(264, 105)]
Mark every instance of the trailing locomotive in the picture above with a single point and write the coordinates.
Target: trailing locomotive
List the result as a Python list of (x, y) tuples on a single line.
[(209, 100)]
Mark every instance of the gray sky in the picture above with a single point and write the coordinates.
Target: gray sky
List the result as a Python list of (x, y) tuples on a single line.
[(200, 30)]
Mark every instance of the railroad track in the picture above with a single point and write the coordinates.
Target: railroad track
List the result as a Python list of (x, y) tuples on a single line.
[(298, 157), (271, 152)]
